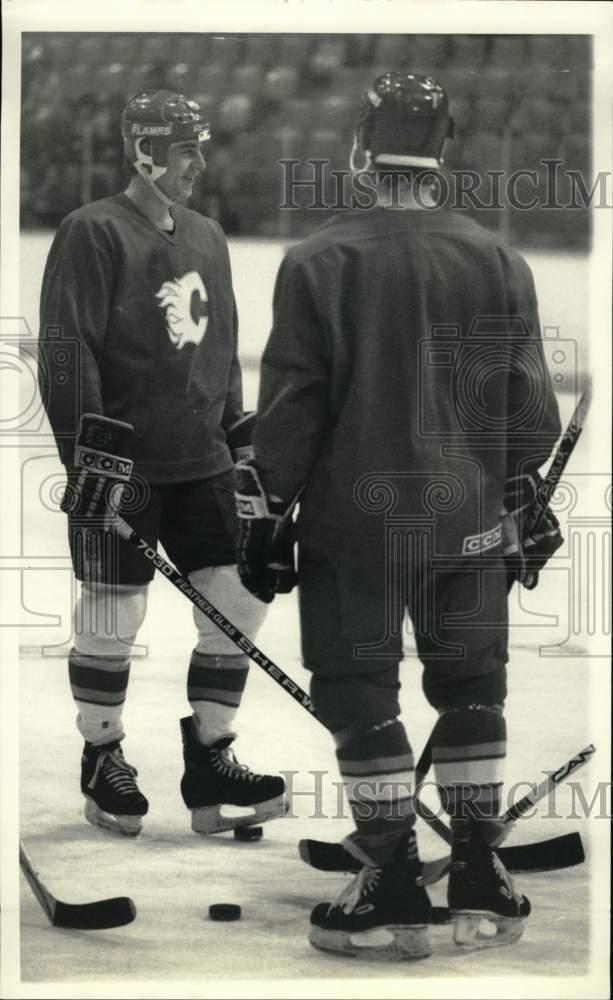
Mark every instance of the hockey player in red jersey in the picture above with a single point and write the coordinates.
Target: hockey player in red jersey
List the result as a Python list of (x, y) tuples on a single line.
[(404, 392), (142, 286)]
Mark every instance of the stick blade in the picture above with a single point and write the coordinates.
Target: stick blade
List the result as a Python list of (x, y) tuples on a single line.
[(96, 916), (434, 871), (544, 856), (327, 857)]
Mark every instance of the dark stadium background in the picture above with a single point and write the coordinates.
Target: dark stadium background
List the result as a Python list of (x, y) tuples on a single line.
[(516, 100)]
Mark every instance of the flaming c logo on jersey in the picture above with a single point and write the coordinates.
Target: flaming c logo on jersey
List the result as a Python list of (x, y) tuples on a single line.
[(187, 309)]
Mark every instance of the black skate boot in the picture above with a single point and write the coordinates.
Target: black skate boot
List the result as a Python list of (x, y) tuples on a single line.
[(382, 914), (487, 909), (214, 778), (112, 798)]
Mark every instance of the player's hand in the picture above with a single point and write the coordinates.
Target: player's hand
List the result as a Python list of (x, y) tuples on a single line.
[(265, 547), (101, 469), (531, 534)]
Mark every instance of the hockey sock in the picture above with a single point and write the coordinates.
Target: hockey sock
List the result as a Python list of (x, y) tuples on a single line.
[(215, 685), (468, 753), (377, 767), (99, 685)]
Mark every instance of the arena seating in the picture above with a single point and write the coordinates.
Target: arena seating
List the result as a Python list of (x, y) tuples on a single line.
[(516, 100)]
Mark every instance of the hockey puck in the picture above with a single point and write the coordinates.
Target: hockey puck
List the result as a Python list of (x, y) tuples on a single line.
[(248, 833), (224, 911)]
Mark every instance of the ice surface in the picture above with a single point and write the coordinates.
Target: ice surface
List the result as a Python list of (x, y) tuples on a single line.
[(173, 875)]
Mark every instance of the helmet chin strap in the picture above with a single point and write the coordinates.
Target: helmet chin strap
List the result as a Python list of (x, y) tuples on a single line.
[(141, 169), (352, 158), (150, 173), (383, 159)]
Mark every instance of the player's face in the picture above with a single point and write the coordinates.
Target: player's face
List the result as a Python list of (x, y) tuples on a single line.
[(185, 163)]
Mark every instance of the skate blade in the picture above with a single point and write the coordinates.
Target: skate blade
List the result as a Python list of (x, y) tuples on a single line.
[(389, 943), (209, 819), (473, 929), (129, 826)]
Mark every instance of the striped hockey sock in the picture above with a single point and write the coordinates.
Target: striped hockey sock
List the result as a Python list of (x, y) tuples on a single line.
[(215, 685), (377, 767), (468, 753), (99, 685)]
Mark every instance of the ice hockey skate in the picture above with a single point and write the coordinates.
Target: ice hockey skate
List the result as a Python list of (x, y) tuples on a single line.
[(487, 909), (382, 914), (112, 797), (215, 783)]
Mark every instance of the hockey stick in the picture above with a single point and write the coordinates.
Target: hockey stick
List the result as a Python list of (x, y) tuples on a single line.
[(514, 812), (101, 914), (167, 570), (560, 852), (212, 613), (549, 855), (569, 439), (245, 644), (546, 786), (543, 856), (92, 438), (543, 495), (547, 486)]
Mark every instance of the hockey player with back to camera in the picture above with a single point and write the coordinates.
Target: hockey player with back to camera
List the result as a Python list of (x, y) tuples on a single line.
[(390, 382), (143, 285)]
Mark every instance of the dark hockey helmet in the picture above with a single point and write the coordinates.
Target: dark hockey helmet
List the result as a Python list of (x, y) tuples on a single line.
[(163, 118), (404, 119)]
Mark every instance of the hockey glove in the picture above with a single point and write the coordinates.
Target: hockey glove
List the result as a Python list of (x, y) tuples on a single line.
[(265, 547), (100, 471), (531, 533)]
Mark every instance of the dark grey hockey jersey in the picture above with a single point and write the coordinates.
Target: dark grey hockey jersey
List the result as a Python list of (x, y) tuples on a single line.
[(154, 322), (405, 350)]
